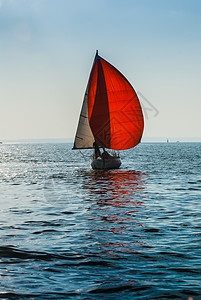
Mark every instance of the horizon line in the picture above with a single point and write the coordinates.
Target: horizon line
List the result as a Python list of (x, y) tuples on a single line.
[(70, 140)]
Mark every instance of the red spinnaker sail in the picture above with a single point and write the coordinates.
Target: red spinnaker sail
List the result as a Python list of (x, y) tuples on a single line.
[(114, 111)]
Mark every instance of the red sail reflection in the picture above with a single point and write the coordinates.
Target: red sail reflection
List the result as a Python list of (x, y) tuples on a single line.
[(118, 187), (116, 208)]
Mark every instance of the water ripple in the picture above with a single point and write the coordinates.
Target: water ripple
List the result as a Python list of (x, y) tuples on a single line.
[(68, 232)]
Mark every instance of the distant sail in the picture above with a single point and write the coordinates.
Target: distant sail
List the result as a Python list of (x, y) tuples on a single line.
[(111, 113)]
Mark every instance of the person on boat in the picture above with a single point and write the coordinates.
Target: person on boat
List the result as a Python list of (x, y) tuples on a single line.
[(105, 154), (96, 149)]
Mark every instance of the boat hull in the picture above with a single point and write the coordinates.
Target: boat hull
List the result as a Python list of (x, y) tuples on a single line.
[(105, 164)]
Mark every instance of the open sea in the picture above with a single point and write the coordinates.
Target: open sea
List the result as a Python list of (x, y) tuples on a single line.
[(68, 232)]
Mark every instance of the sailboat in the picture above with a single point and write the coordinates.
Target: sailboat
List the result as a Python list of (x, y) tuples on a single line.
[(111, 116)]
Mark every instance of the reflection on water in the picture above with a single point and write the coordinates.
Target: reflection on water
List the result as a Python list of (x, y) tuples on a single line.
[(117, 187), (116, 204)]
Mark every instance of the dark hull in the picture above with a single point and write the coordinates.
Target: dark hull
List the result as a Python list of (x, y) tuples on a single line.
[(106, 163)]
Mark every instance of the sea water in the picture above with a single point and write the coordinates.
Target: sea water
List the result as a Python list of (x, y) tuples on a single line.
[(68, 232)]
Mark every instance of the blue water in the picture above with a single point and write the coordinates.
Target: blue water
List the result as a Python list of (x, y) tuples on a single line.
[(68, 232)]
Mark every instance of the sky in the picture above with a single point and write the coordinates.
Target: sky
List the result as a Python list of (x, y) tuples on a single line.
[(47, 49)]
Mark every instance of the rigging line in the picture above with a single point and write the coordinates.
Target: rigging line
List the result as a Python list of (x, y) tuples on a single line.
[(83, 155)]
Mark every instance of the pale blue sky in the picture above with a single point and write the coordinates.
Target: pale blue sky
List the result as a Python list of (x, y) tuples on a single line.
[(47, 48)]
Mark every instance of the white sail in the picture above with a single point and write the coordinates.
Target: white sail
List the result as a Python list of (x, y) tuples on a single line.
[(84, 138)]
